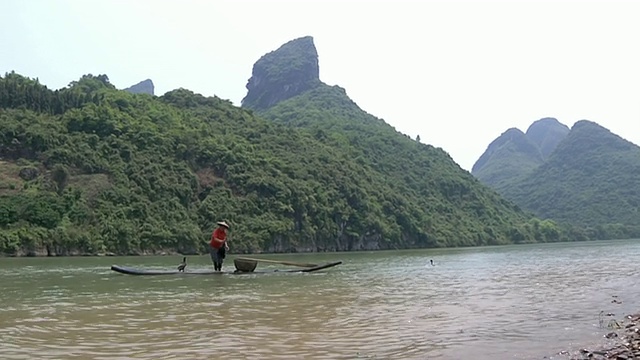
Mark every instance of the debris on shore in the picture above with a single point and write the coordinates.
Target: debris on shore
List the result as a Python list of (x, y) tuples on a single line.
[(626, 344)]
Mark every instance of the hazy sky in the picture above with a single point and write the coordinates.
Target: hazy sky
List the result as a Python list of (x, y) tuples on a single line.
[(456, 73)]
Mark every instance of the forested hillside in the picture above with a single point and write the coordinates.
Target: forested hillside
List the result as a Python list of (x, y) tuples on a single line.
[(591, 179), (507, 158), (434, 189), (585, 176), (90, 169), (515, 154)]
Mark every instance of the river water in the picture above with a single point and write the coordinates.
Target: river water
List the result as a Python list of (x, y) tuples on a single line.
[(509, 302)]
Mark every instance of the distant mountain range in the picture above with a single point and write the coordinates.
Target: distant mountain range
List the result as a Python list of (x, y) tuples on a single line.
[(515, 153), (584, 175), (427, 199), (300, 167), (90, 169)]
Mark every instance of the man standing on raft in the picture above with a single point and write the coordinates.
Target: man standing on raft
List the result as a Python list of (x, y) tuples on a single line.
[(218, 246)]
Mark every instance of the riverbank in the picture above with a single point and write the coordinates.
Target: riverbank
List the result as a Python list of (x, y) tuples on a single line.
[(622, 343), (44, 252)]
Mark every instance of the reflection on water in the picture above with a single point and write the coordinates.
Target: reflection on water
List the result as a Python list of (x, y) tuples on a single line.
[(516, 302)]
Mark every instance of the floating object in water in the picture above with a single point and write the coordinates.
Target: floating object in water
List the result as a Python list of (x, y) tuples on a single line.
[(183, 264), (245, 265), (138, 271)]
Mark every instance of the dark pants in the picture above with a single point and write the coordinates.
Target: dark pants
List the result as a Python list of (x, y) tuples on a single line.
[(217, 256)]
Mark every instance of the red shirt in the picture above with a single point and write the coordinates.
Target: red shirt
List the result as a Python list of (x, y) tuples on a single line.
[(219, 234)]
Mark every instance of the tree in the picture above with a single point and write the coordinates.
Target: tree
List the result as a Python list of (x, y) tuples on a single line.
[(60, 176)]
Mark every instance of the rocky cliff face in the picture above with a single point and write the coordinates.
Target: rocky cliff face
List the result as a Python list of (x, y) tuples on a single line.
[(143, 87), (283, 73)]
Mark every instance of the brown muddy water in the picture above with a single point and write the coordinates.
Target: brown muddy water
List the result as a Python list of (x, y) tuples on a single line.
[(511, 302)]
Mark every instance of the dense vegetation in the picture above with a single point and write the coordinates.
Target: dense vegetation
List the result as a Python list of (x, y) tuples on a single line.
[(439, 196), (507, 158), (515, 154), (584, 176), (590, 179), (91, 169)]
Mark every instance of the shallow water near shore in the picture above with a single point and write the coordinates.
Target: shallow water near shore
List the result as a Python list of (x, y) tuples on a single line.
[(510, 302)]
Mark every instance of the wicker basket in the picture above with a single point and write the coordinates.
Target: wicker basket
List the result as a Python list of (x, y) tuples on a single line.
[(245, 265)]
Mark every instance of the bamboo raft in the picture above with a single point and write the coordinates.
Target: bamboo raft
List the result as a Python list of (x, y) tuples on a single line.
[(243, 265)]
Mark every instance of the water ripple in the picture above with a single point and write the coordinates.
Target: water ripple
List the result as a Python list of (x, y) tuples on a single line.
[(507, 303)]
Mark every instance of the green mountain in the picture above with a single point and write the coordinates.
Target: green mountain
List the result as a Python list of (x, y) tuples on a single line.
[(509, 156), (89, 169), (591, 178), (425, 195), (546, 134), (585, 176), (515, 154)]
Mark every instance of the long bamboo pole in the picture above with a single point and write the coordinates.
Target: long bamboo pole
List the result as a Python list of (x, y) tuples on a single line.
[(291, 263)]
